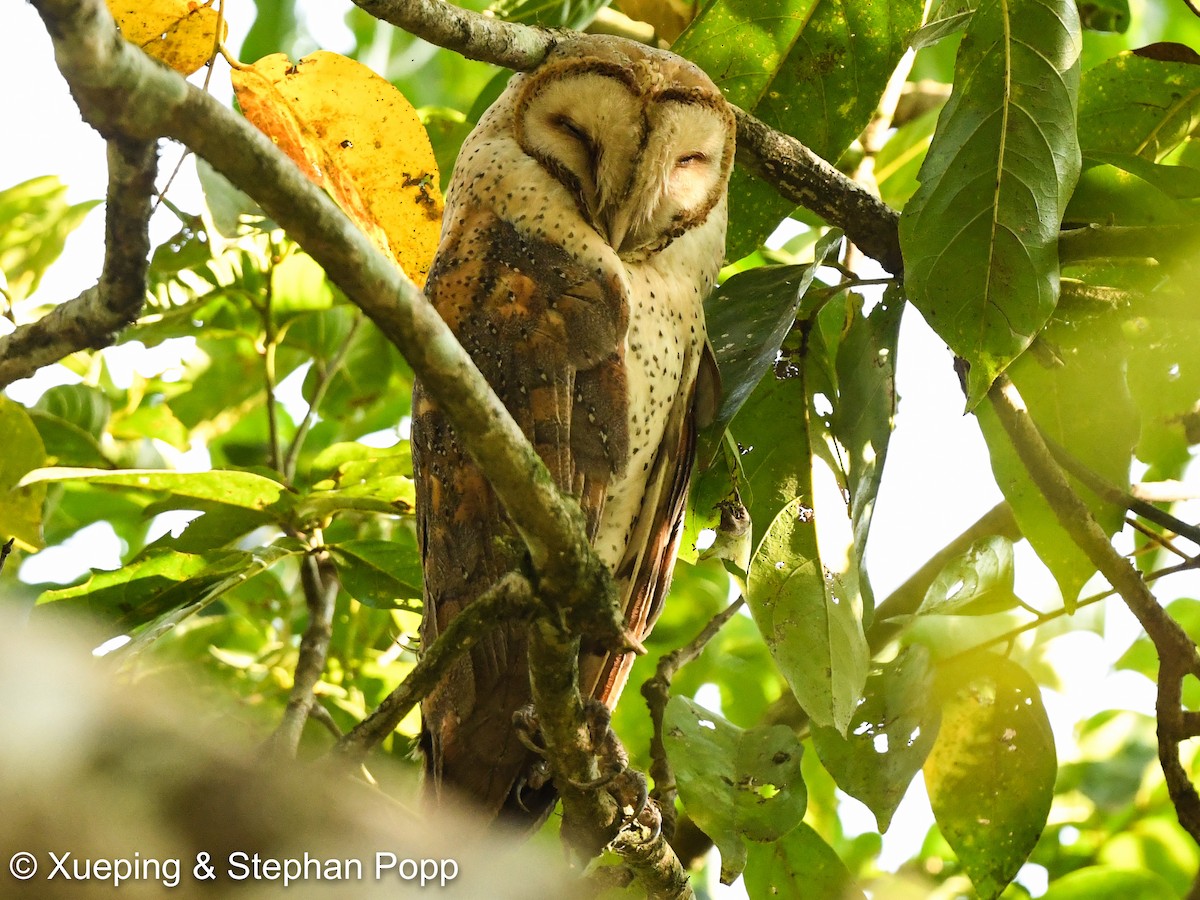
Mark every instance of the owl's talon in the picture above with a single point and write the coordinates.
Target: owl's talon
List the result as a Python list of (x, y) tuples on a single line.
[(528, 730)]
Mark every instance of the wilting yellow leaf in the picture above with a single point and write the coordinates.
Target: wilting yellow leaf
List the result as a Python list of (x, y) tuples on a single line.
[(355, 135), (181, 33)]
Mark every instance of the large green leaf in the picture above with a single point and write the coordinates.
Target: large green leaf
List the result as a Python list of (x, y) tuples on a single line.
[(1123, 189), (889, 737), (1132, 104), (736, 784), (864, 413), (980, 235), (798, 865), (382, 574), (977, 582), (991, 772), (20, 502), (245, 490), (1109, 883), (812, 629), (812, 68), (160, 583)]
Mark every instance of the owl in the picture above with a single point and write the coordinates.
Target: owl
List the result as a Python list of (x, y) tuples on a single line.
[(584, 225)]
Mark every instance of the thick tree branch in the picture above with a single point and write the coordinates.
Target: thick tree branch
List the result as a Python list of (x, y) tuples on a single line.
[(1177, 653), (795, 171), (92, 319), (475, 36)]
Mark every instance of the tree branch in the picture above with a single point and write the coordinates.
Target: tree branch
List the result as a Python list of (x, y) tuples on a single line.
[(657, 691), (1177, 654), (91, 320), (483, 38), (509, 600), (320, 584)]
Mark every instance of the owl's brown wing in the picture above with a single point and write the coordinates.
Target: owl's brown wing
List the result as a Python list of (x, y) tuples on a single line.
[(548, 333)]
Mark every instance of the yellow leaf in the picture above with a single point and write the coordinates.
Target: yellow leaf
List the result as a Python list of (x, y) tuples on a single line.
[(181, 33), (355, 135)]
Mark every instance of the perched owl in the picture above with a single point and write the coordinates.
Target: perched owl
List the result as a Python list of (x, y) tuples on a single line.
[(584, 225)]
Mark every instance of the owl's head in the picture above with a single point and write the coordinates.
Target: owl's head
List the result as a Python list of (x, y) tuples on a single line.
[(642, 138)]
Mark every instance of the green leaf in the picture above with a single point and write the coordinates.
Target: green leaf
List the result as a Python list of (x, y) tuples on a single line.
[(980, 235), (1132, 104), (890, 735), (736, 784), (549, 13), (814, 634), (1130, 190), (298, 284), (811, 68), (798, 865), (979, 582), (1084, 372), (899, 162), (949, 17), (748, 317), (865, 411), (991, 772), (245, 490), (382, 574), (1109, 883), (20, 503), (35, 220), (160, 583)]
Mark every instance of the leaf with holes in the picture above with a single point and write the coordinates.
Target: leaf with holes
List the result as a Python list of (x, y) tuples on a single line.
[(991, 772), (889, 738), (736, 784)]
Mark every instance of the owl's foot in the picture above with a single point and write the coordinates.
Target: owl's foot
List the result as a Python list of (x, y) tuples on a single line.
[(627, 786)]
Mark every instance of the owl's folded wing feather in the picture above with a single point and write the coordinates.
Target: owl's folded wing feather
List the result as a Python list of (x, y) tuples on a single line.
[(547, 332)]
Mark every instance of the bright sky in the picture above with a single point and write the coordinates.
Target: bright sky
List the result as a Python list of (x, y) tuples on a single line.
[(937, 482)]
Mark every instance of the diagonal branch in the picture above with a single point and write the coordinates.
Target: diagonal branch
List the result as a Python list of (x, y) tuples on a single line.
[(121, 91), (320, 585), (509, 600), (90, 320), (1177, 654)]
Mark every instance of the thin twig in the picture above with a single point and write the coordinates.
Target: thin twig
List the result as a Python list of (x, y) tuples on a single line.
[(1110, 493), (511, 599), (320, 585), (318, 713), (322, 387), (657, 691)]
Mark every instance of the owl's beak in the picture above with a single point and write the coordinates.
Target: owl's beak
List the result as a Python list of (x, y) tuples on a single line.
[(619, 221)]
